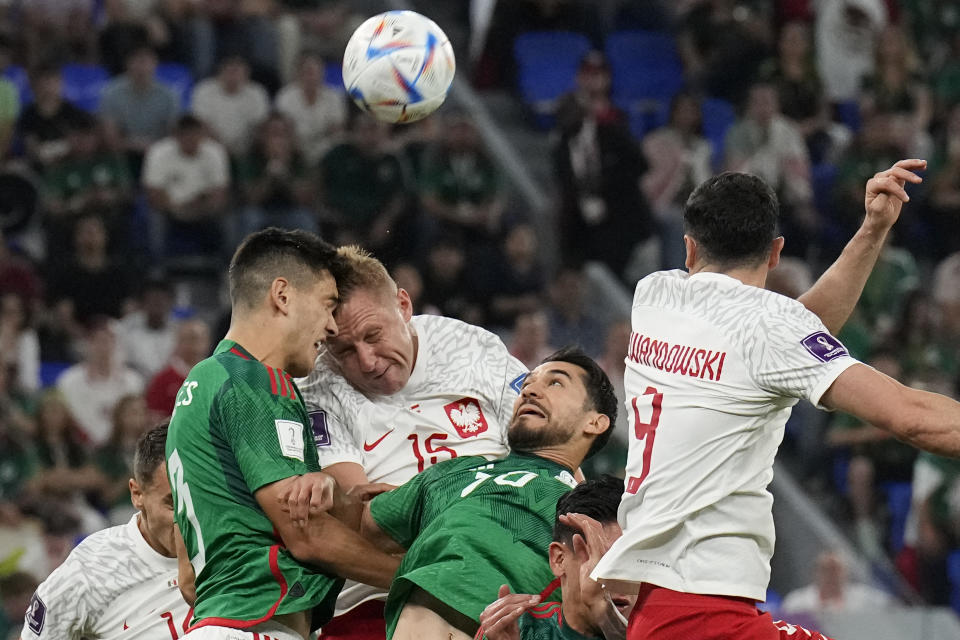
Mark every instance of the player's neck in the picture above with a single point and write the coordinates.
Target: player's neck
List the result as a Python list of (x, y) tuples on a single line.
[(155, 545), (261, 341), (577, 617), (752, 276), (559, 455)]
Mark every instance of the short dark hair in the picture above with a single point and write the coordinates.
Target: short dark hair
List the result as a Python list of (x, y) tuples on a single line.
[(600, 393), (151, 453), (733, 219), (272, 253), (188, 122), (598, 499)]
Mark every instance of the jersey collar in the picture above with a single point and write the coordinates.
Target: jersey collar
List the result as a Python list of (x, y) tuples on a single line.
[(234, 348), (419, 374)]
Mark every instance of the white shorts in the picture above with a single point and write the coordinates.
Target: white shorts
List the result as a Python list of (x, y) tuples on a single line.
[(268, 630)]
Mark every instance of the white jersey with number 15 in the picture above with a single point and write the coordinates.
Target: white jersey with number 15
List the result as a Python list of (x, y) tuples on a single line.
[(714, 367)]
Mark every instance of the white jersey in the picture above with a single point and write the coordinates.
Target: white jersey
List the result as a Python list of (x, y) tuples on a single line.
[(713, 369), (458, 402), (113, 585)]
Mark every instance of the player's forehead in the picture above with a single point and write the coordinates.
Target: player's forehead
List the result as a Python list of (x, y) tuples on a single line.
[(560, 369), (323, 287), (364, 310)]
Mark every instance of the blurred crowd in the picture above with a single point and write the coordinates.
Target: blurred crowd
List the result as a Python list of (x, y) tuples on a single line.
[(141, 139)]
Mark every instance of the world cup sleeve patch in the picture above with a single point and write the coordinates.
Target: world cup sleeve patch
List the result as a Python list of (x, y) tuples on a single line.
[(318, 425), (36, 613), (823, 346), (517, 382), (290, 435)]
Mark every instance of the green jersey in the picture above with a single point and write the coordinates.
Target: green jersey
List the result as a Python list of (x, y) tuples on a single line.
[(469, 526), (545, 622), (239, 425)]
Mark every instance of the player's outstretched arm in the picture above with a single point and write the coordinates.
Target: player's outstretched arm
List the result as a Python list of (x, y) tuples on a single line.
[(925, 420), (326, 542), (835, 294)]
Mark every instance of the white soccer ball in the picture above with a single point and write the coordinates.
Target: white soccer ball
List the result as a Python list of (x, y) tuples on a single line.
[(398, 66)]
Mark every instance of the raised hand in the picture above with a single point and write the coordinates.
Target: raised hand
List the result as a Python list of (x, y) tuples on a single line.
[(885, 193), (499, 621)]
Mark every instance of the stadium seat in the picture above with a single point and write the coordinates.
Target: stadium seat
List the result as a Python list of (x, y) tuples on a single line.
[(822, 177), (83, 84), (50, 371), (646, 70), (953, 576), (547, 63), (898, 503), (849, 114), (179, 78), (718, 117), (333, 75), (18, 76)]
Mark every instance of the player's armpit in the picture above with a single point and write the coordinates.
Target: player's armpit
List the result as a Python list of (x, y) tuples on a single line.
[(370, 530), (328, 543), (186, 578), (925, 420)]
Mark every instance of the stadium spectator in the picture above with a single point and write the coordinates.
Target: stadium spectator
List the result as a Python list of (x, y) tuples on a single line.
[(18, 449), (679, 158), (120, 34), (765, 143), (18, 275), (924, 340), (92, 387), (278, 189), (363, 185), (449, 514), (88, 177), (283, 295), (944, 196), (802, 99), (592, 96), (832, 592), (231, 105), (845, 37), (45, 122), (318, 112), (114, 459), (897, 88), (460, 186), (530, 341), (19, 344), (447, 288), (192, 346), (137, 561), (407, 276), (9, 101), (187, 177), (147, 335), (511, 281), (586, 524), (946, 293), (87, 282), (137, 109), (58, 30), (571, 322), (383, 358), (598, 167)]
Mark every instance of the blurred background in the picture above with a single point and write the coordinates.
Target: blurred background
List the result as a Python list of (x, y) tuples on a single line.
[(140, 140)]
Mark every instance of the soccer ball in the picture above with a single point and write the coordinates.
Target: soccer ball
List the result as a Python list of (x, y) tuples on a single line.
[(398, 66)]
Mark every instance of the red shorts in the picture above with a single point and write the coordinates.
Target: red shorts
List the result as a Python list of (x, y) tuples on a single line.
[(662, 614), (363, 622)]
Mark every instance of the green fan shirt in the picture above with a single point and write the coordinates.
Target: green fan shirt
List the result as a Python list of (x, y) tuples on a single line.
[(469, 526), (239, 425)]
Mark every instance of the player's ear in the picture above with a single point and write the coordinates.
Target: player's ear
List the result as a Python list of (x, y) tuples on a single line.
[(280, 294), (136, 494), (598, 424), (775, 248), (557, 554), (691, 246), (405, 304)]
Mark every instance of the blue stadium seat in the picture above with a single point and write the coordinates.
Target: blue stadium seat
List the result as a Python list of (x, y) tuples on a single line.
[(773, 602), (898, 503), (848, 113), (333, 75), (823, 176), (646, 69), (547, 63), (50, 371), (953, 576), (83, 84), (18, 76), (718, 117), (179, 78)]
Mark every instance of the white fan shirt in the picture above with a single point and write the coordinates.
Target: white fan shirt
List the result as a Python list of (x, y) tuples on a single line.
[(458, 402), (113, 585), (714, 367)]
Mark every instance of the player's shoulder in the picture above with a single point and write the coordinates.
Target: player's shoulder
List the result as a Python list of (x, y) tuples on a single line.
[(325, 385), (237, 369), (454, 345), (104, 547)]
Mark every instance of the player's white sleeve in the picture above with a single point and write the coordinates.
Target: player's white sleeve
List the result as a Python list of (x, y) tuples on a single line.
[(794, 355), (335, 442), (514, 372), (60, 606)]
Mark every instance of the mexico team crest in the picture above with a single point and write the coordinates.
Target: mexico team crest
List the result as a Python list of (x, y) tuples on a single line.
[(466, 417)]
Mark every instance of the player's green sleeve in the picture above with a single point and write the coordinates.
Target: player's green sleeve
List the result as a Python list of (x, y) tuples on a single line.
[(398, 512), (266, 434)]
